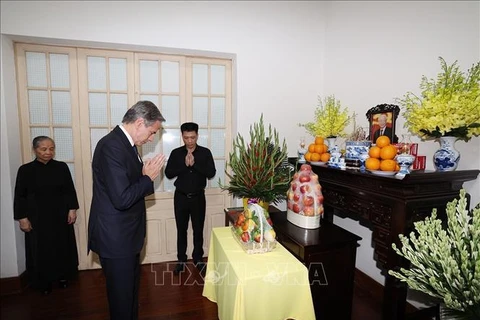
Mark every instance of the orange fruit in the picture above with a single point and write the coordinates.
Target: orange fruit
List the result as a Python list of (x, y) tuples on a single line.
[(324, 157), (319, 140), (308, 156), (311, 147), (372, 164), (389, 152), (397, 167), (374, 152), (388, 165), (315, 157), (319, 148), (382, 141), (325, 148)]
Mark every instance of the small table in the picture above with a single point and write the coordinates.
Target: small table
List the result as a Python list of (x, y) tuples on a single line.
[(272, 285)]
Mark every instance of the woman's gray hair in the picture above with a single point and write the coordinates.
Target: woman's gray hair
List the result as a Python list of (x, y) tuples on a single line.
[(145, 110), (36, 141)]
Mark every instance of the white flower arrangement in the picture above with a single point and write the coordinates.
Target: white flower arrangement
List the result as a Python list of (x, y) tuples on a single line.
[(445, 264)]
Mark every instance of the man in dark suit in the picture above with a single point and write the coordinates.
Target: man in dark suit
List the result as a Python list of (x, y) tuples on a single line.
[(192, 165), (117, 223), (384, 130)]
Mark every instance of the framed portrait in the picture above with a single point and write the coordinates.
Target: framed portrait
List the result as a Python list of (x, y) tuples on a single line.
[(382, 119)]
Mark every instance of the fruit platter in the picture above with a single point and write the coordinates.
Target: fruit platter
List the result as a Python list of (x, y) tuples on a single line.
[(253, 230), (305, 199)]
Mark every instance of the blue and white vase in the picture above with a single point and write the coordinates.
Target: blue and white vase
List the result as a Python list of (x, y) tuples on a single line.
[(447, 157)]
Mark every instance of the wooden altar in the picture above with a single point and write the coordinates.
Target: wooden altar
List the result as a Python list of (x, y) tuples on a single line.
[(388, 206)]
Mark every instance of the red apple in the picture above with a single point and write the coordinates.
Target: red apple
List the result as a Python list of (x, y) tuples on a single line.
[(320, 198), (294, 186), (304, 178), (296, 208), (305, 188), (245, 237), (305, 167), (290, 205), (296, 196), (308, 211), (308, 201)]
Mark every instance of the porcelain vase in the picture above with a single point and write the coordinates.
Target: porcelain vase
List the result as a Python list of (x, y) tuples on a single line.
[(331, 143), (447, 157)]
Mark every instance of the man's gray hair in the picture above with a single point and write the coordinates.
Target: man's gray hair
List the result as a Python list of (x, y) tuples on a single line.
[(145, 110)]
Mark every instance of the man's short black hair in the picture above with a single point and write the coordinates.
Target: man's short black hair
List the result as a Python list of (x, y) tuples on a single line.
[(189, 127)]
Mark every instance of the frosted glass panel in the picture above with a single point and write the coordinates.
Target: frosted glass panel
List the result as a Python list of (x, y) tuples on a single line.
[(97, 103), (200, 111), (171, 110), (97, 74), (170, 77), (151, 148), (152, 98), (36, 131), (63, 144), (95, 136), (218, 79), (220, 167), (171, 139), (148, 76), (217, 137), (61, 107), (38, 107), (218, 112), (200, 79), (118, 74), (59, 71), (203, 137), (118, 107), (71, 167), (36, 69)]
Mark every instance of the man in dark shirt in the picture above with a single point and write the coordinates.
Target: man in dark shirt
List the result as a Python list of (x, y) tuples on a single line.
[(192, 165)]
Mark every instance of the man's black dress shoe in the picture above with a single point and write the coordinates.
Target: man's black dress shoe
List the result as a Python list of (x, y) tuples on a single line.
[(63, 283), (201, 267), (47, 290), (179, 268)]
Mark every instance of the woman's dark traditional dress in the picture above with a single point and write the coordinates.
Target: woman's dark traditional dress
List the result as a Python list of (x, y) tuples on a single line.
[(44, 193)]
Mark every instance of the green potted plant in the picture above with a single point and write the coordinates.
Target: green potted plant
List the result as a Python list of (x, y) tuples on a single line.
[(445, 262), (258, 168)]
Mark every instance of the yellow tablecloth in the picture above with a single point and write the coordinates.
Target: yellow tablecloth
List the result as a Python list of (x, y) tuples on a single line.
[(267, 286)]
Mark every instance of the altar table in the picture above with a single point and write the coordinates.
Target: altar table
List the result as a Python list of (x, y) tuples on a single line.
[(272, 285)]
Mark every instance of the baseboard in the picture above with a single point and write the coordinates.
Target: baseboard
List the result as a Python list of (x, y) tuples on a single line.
[(13, 285), (374, 289)]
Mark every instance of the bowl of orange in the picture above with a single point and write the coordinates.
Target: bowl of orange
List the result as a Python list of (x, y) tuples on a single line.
[(381, 158)]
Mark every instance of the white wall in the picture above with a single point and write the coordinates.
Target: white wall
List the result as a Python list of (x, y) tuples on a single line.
[(366, 53), (12, 261)]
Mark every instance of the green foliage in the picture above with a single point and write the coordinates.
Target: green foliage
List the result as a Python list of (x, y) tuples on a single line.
[(330, 119), (259, 168), (448, 106), (445, 263)]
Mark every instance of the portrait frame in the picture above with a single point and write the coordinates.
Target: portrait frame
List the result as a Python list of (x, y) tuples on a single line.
[(391, 111)]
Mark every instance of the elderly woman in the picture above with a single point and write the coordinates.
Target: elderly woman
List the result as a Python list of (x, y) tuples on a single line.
[(45, 205)]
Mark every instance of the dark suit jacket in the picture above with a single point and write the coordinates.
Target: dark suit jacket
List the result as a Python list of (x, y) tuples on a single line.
[(387, 132), (117, 223)]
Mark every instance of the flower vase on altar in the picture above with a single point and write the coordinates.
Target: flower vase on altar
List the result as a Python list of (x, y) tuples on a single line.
[(331, 143), (447, 157)]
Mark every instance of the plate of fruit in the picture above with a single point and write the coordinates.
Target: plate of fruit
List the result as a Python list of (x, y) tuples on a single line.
[(317, 163), (383, 173)]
